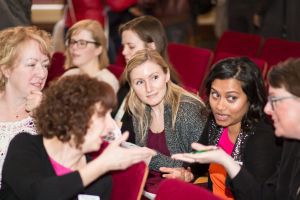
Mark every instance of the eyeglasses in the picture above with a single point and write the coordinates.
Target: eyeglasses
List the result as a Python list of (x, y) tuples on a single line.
[(81, 44), (272, 100)]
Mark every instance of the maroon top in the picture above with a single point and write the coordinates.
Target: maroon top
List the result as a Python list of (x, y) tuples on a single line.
[(156, 141)]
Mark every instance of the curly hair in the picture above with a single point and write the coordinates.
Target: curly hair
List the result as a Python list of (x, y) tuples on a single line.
[(245, 71), (12, 41), (69, 104)]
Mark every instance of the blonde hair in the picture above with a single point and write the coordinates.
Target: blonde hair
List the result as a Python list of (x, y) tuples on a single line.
[(11, 42), (172, 96), (96, 30)]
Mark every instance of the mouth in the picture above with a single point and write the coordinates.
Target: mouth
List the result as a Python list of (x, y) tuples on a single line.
[(221, 117), (38, 85)]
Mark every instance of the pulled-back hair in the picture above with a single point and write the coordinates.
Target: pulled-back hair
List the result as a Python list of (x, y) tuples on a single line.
[(97, 33), (149, 29), (69, 104), (245, 71)]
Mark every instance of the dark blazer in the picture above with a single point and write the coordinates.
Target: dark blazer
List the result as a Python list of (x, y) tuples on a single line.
[(283, 184), (257, 149), (28, 174)]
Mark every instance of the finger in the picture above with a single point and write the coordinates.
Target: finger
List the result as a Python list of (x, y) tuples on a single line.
[(201, 147), (166, 169), (169, 176), (182, 157)]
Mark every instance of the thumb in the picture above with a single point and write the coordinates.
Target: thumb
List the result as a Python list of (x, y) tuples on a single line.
[(121, 139)]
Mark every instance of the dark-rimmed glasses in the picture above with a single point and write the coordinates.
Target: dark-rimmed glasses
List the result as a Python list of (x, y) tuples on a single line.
[(81, 44), (272, 100)]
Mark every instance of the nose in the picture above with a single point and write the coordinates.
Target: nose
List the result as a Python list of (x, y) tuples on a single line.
[(268, 109), (41, 71), (221, 104), (124, 51), (148, 86)]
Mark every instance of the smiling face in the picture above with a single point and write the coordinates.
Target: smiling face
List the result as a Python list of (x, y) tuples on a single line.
[(100, 126), (285, 114), (149, 82), (228, 102), (131, 44), (84, 56), (29, 71)]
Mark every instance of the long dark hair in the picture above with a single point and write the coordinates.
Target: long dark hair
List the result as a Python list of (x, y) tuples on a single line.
[(244, 70)]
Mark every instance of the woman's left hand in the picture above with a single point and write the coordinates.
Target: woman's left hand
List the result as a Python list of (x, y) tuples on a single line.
[(177, 173), (33, 100)]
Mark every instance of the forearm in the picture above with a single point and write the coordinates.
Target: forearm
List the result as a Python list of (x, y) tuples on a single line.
[(92, 171)]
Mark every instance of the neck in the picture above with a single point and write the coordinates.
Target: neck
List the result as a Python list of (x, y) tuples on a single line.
[(91, 68), (234, 131), (158, 110), (63, 153), (12, 105)]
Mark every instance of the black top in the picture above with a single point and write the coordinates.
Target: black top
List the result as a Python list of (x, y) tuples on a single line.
[(28, 174), (283, 184), (258, 149)]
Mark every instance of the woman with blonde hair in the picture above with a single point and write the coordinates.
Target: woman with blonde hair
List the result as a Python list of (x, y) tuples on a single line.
[(87, 52), (166, 118), (24, 60)]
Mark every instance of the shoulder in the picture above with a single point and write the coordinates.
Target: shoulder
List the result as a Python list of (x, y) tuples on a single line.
[(25, 139), (190, 105), (72, 71)]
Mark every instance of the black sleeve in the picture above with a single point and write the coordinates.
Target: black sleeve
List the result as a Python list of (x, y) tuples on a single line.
[(262, 152), (27, 175)]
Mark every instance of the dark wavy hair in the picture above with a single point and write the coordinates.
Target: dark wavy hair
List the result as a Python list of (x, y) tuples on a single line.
[(286, 74), (69, 104), (245, 71)]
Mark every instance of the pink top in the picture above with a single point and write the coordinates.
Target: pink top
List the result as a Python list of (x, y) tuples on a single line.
[(225, 142), (58, 168)]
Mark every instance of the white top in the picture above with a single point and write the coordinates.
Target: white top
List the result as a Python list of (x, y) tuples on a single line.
[(8, 130), (103, 75)]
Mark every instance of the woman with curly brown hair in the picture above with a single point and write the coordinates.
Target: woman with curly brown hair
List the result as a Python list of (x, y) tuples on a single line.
[(72, 120)]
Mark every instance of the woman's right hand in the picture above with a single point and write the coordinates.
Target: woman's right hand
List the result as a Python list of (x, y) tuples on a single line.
[(116, 157)]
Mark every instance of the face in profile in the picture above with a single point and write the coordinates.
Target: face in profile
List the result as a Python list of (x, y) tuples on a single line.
[(149, 82), (228, 102), (284, 113), (83, 50), (30, 69), (131, 44), (100, 126)]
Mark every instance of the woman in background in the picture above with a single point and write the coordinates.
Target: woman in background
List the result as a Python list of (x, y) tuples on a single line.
[(138, 34), (24, 60), (87, 52)]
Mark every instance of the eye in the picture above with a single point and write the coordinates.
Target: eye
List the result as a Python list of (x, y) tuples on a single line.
[(131, 47), (82, 42), (31, 64), (155, 77), (214, 94), (139, 82), (231, 99)]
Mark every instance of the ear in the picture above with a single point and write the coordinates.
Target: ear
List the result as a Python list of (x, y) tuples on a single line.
[(5, 71), (168, 76), (99, 50), (151, 45)]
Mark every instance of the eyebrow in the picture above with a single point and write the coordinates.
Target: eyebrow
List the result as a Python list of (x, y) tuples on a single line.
[(227, 92)]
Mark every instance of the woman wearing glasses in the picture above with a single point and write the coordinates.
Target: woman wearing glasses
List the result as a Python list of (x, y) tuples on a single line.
[(284, 108), (237, 123), (87, 52)]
